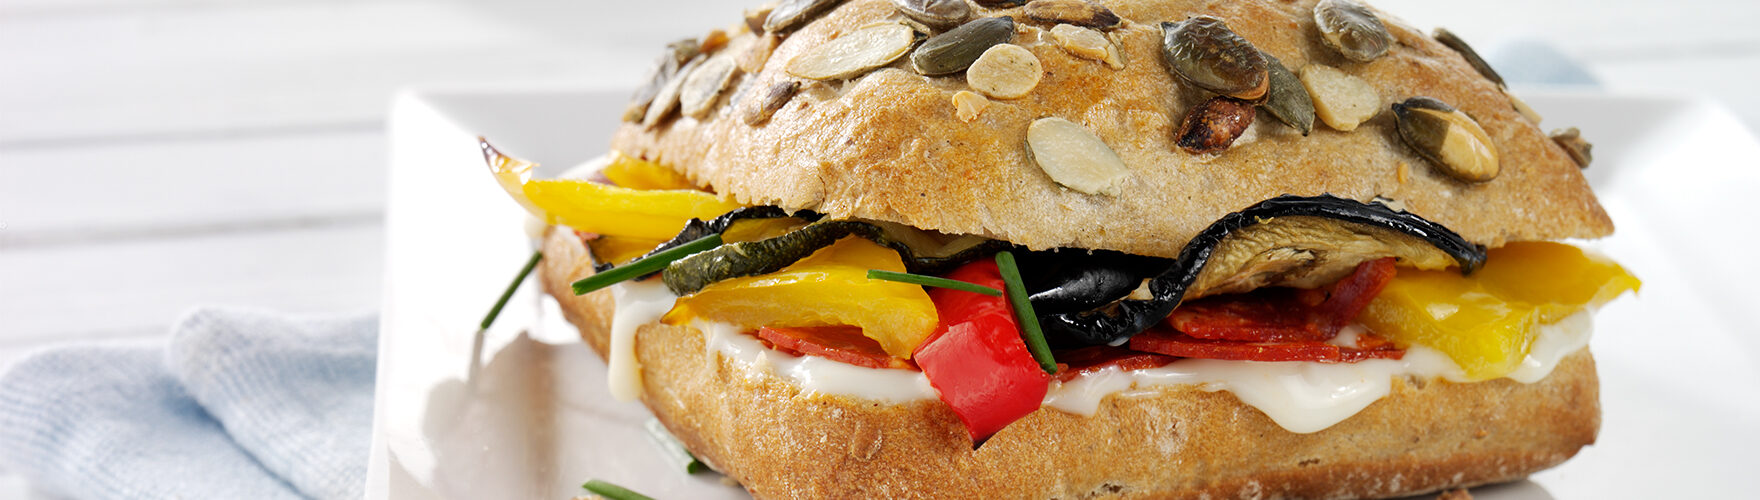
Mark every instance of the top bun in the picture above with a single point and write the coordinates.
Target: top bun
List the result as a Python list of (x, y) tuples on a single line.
[(887, 144)]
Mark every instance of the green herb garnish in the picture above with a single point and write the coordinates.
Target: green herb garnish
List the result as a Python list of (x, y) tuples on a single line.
[(645, 265), (918, 279), (511, 287), (1023, 312), (612, 491)]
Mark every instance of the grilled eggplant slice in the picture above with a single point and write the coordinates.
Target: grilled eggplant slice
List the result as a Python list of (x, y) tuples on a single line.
[(1280, 237), (1067, 280)]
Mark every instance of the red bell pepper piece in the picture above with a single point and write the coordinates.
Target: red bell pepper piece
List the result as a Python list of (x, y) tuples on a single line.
[(976, 359)]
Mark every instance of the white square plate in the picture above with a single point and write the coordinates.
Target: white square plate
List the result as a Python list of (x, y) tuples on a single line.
[(524, 413)]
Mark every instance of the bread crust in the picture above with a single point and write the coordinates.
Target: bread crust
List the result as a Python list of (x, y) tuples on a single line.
[(1171, 442), (887, 145)]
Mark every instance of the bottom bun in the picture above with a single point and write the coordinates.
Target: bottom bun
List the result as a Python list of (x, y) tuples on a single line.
[(782, 442)]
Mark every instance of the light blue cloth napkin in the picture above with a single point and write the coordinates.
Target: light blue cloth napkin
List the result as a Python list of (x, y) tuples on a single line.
[(238, 403)]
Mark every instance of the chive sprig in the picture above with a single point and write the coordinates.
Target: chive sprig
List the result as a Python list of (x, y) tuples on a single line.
[(531, 263), (645, 265), (612, 491), (918, 279), (1023, 312)]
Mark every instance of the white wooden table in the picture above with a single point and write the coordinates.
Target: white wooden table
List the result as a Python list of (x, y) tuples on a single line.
[(158, 154)]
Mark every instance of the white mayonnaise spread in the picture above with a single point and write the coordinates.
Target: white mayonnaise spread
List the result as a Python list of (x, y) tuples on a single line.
[(638, 303), (815, 374), (1300, 396)]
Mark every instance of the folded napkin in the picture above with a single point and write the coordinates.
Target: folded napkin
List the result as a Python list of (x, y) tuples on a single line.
[(237, 403)]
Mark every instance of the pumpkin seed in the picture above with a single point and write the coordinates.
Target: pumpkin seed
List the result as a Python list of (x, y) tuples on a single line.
[(791, 14), (1352, 29), (955, 50), (1075, 157), (1088, 44), (1077, 12), (665, 68), (999, 4), (967, 105), (1451, 140), (1572, 141), (1203, 51), (1005, 71), (1288, 99), (1451, 41), (667, 99), (700, 90), (1214, 125), (1341, 100), (938, 14), (855, 53), (771, 100)]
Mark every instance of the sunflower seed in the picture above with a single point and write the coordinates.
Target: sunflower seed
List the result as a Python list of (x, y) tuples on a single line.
[(955, 50), (1214, 125), (1522, 107), (790, 14), (1204, 52), (1005, 72), (1574, 145), (667, 99), (999, 4), (1451, 140), (1287, 99), (1077, 12), (771, 100), (1352, 29), (1460, 46), (1075, 157), (700, 90), (1341, 100), (1087, 44), (855, 53), (967, 105), (938, 14)]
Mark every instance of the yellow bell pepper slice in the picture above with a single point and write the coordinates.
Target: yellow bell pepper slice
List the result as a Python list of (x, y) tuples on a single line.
[(636, 173), (828, 288), (599, 208), (1487, 321), (1560, 279), (618, 250)]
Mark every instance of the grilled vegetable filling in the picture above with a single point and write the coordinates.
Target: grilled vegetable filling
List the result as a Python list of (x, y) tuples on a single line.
[(1278, 281)]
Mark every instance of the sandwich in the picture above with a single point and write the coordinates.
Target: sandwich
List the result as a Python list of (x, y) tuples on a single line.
[(1086, 249)]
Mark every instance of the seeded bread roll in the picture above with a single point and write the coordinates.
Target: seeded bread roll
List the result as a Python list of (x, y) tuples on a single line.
[(1175, 442), (888, 144)]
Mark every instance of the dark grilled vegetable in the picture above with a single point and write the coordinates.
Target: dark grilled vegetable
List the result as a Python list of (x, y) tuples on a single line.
[(1067, 280), (1124, 318), (923, 254), (696, 229)]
